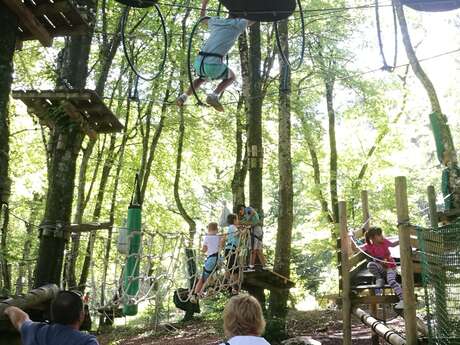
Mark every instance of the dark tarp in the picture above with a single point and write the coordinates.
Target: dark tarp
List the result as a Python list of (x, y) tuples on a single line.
[(260, 10), (432, 5)]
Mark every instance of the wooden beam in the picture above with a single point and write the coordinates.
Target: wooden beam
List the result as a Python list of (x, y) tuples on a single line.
[(345, 270), (407, 271), (29, 21), (30, 299), (375, 299), (77, 117), (89, 227)]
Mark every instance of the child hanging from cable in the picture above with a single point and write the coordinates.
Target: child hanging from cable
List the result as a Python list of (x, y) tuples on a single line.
[(211, 246), (383, 265), (209, 64)]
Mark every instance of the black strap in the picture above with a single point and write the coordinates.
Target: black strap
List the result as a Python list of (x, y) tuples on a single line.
[(206, 54)]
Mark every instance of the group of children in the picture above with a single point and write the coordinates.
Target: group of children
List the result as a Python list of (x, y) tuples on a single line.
[(245, 222)]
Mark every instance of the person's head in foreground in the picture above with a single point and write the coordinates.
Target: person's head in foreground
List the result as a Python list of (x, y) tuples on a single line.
[(67, 309), (243, 317)]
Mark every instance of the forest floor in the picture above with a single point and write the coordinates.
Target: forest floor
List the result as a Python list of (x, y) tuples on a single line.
[(324, 326)]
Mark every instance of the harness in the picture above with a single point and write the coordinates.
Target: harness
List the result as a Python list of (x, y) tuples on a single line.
[(202, 74), (215, 255), (254, 236)]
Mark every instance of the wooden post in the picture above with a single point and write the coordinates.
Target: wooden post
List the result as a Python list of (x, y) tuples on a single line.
[(407, 271), (432, 207), (346, 284), (366, 226)]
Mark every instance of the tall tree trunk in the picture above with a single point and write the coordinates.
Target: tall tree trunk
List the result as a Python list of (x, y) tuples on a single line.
[(7, 45), (316, 172), (329, 84), (278, 299), (6, 271), (241, 163), (254, 141), (447, 154), (65, 144), (25, 263)]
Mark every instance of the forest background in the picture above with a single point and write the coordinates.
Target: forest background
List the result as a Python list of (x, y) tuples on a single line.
[(353, 127)]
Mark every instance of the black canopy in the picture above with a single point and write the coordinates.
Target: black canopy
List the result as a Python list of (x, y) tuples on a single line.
[(432, 5), (260, 10)]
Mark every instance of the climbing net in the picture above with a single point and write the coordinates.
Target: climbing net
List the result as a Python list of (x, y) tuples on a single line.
[(163, 267), (227, 275), (440, 257)]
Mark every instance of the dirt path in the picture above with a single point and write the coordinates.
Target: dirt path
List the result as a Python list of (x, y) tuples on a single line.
[(324, 326)]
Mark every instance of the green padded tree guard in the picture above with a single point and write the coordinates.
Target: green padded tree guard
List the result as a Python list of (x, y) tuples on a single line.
[(131, 271)]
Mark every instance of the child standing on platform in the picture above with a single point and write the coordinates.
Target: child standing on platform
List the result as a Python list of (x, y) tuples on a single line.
[(383, 266)]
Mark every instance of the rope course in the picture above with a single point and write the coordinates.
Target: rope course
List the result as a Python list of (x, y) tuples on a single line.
[(385, 66)]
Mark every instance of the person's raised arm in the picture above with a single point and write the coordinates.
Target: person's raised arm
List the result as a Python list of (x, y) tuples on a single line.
[(204, 6), (16, 316)]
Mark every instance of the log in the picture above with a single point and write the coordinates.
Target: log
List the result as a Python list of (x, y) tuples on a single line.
[(346, 283), (379, 327), (29, 300), (407, 269)]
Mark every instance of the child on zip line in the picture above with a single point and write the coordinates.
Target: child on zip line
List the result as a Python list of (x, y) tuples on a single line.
[(209, 64)]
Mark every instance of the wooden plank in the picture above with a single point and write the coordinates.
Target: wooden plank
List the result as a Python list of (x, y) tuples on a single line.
[(29, 21), (407, 272), (390, 299)]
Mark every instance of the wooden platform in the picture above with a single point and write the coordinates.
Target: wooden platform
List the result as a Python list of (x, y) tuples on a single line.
[(83, 107), (266, 279), (44, 19)]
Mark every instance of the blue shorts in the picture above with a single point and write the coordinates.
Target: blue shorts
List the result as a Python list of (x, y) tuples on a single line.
[(210, 71), (209, 266)]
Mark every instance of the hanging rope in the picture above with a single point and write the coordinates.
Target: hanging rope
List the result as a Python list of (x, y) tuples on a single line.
[(128, 51), (293, 66), (385, 66)]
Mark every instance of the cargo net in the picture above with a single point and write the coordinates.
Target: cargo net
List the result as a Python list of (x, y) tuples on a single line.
[(440, 258)]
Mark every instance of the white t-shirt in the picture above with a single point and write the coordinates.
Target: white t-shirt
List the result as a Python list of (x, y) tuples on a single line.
[(212, 243), (247, 340)]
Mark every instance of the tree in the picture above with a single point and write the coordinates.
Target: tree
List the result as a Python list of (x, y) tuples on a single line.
[(446, 151), (64, 146), (278, 299)]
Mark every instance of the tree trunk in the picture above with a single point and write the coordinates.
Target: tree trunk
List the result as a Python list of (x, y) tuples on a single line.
[(6, 272), (447, 154), (25, 263), (254, 141), (7, 45), (278, 299), (317, 174), (329, 83), (65, 145)]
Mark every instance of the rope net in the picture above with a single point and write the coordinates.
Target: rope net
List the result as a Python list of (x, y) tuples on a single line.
[(440, 259)]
